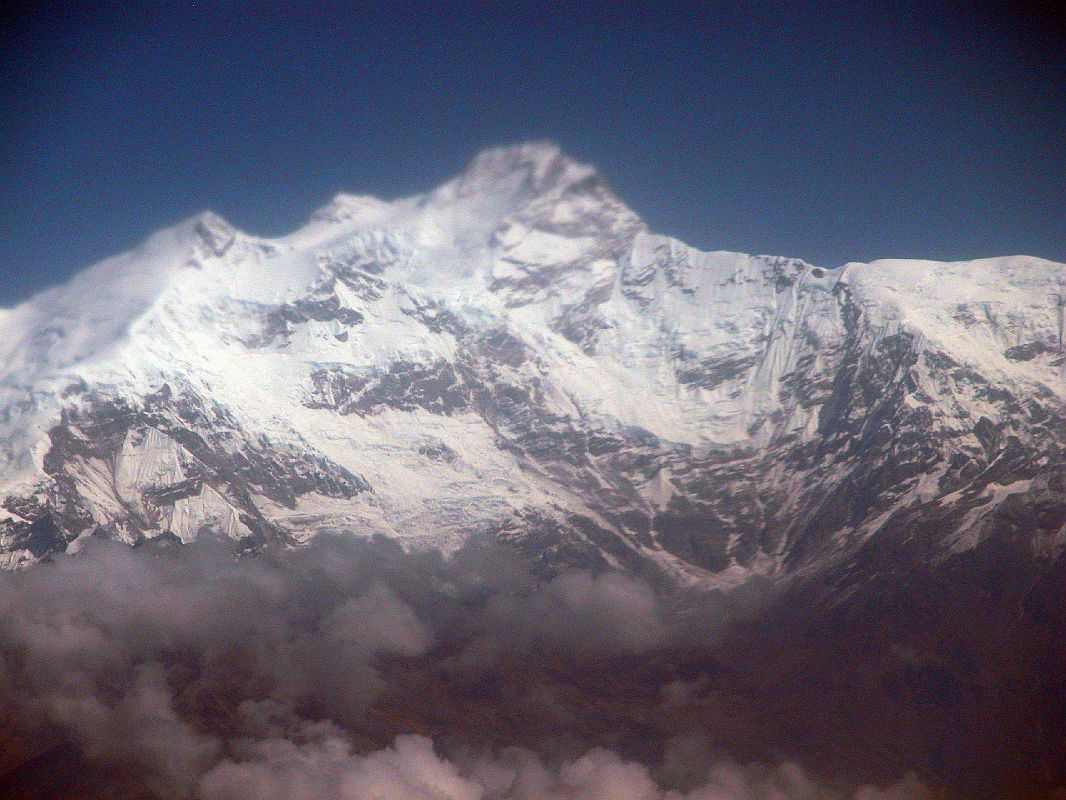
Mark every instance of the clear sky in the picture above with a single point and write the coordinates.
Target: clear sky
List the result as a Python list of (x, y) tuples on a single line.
[(831, 132)]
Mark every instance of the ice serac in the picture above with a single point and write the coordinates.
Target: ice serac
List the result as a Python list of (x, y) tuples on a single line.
[(515, 354)]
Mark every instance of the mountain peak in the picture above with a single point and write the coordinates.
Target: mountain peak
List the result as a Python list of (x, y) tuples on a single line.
[(215, 232), (532, 169), (505, 159), (496, 183)]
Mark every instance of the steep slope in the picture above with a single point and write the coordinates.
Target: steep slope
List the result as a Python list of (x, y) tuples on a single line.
[(516, 354)]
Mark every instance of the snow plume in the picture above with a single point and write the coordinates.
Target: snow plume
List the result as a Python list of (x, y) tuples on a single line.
[(302, 674)]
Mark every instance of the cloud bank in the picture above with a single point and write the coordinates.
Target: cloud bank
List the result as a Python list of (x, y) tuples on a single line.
[(324, 673), (325, 767)]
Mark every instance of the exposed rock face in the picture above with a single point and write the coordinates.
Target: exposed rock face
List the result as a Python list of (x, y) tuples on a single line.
[(515, 353)]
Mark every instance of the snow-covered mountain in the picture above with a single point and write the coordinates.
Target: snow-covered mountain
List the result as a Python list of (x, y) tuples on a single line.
[(515, 354)]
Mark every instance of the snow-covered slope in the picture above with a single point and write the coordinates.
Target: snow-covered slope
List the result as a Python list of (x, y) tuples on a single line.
[(514, 353)]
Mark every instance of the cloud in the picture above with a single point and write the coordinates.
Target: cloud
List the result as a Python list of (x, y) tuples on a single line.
[(326, 767), (379, 622), (290, 674)]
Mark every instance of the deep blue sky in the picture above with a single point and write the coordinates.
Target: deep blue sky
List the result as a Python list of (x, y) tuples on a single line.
[(830, 131)]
